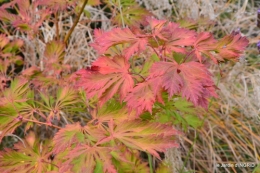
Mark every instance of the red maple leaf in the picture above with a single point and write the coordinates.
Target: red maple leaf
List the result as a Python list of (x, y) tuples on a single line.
[(231, 46), (176, 38), (143, 96), (170, 36), (204, 43), (192, 80), (104, 40), (112, 77)]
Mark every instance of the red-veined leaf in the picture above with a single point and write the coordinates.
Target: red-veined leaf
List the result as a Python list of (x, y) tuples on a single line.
[(112, 77)]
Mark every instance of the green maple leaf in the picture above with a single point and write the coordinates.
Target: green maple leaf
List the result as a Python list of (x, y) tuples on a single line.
[(25, 159)]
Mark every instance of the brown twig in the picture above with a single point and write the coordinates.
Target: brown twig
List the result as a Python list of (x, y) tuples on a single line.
[(75, 22), (57, 26)]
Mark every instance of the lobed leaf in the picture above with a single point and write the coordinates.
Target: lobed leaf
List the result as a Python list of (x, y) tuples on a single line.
[(131, 16), (192, 80), (111, 77), (143, 96), (82, 155), (127, 161), (26, 159), (231, 46), (104, 40), (204, 44), (144, 136)]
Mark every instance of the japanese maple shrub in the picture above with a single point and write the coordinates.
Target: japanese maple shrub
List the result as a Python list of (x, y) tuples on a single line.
[(100, 118)]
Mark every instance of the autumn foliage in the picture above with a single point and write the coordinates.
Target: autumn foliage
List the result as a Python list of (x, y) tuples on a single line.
[(150, 74)]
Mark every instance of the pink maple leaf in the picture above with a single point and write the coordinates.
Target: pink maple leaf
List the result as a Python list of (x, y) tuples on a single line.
[(112, 76), (105, 40), (144, 95), (204, 43), (192, 80)]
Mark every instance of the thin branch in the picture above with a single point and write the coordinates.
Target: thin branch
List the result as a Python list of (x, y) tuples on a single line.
[(38, 122), (57, 26), (75, 22)]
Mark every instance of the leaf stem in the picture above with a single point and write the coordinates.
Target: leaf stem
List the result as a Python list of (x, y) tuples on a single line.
[(189, 152), (38, 122), (150, 162), (186, 57), (75, 22), (121, 14), (139, 76)]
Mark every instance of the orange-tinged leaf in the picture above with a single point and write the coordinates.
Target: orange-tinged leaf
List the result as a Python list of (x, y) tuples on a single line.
[(54, 50), (84, 158), (24, 159), (232, 46), (31, 72), (75, 134), (53, 56), (149, 137), (30, 138), (3, 41), (82, 155)]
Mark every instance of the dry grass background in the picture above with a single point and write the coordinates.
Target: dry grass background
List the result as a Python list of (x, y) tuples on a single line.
[(232, 124)]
